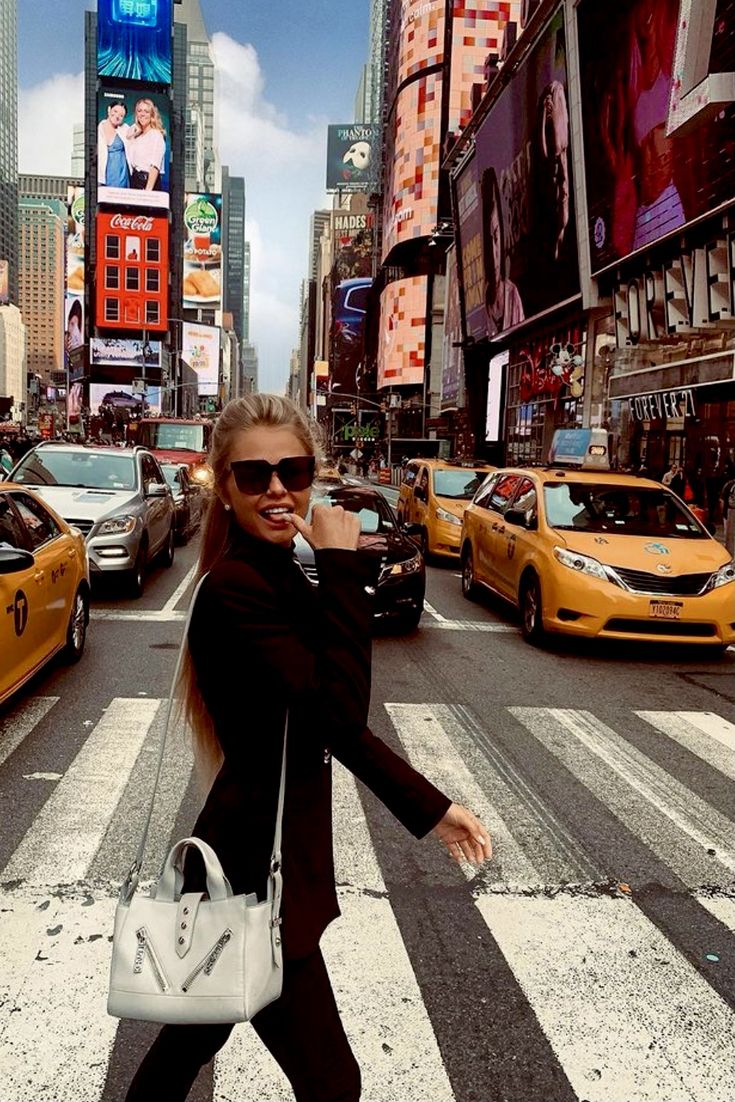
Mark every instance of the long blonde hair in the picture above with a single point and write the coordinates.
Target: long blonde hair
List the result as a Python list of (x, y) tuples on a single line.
[(239, 415)]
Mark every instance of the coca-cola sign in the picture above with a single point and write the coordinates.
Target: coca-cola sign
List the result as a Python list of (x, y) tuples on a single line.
[(135, 223)]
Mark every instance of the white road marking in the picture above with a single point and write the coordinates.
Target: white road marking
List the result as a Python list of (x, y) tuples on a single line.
[(627, 1016), (430, 749), (433, 613), (376, 990), (468, 625), (668, 817), (180, 590), (21, 721), (705, 734), (150, 616), (723, 909), (159, 616), (68, 830)]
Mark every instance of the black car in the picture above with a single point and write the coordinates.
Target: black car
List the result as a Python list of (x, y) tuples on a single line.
[(399, 596), (188, 499)]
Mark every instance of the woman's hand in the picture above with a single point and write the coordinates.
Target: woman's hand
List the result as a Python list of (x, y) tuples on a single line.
[(464, 836), (331, 526)]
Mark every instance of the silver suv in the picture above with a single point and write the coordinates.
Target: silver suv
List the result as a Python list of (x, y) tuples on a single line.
[(118, 497)]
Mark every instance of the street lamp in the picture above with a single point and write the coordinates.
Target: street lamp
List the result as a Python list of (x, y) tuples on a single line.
[(378, 405)]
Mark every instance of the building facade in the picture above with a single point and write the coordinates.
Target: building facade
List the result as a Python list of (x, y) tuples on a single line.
[(202, 166), (9, 142), (41, 285), (13, 369), (47, 187)]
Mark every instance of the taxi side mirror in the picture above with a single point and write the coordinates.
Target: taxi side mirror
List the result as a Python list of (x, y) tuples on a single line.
[(13, 560)]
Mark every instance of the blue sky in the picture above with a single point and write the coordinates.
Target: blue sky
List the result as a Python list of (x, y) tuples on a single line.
[(282, 80)]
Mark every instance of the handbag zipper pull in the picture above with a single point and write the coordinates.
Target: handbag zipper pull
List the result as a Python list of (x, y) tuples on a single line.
[(207, 963), (145, 947)]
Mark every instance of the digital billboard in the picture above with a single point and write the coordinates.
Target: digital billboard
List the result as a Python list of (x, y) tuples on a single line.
[(116, 401), (200, 351), (515, 197), (133, 147), (353, 157), (134, 39), (477, 31), (131, 288), (452, 360), (203, 251), (114, 352), (646, 176), (352, 240), (402, 346), (4, 282)]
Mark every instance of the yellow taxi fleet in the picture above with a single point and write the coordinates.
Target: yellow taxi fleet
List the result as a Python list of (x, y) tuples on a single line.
[(433, 496), (44, 587), (597, 554)]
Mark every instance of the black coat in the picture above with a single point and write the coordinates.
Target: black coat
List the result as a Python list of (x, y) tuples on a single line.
[(264, 640)]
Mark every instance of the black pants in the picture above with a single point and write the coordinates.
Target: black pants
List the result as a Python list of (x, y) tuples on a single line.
[(302, 1030)]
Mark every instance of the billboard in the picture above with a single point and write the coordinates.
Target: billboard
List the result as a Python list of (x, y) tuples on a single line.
[(353, 157), (515, 197), (645, 176), (134, 39), (203, 251), (131, 289), (114, 402), (452, 388), (113, 352), (352, 237), (200, 350), (402, 347), (4, 282), (133, 147)]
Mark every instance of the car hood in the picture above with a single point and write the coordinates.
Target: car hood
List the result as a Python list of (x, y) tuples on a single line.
[(78, 503), (178, 455), (674, 556), (384, 546), (453, 505)]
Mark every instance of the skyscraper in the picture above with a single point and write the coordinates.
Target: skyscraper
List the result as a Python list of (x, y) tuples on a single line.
[(202, 164), (41, 272), (9, 141), (233, 245)]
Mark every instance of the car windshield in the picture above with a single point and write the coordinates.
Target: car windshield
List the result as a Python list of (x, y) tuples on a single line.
[(628, 510), (171, 435), (460, 484), (93, 470), (375, 515)]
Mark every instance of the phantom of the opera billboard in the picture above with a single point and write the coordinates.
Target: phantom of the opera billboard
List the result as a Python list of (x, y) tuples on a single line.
[(402, 348), (203, 252), (646, 175), (353, 157), (515, 198), (134, 39), (133, 147)]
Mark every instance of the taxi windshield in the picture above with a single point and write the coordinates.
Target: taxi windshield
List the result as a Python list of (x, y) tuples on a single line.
[(92, 470), (628, 510), (374, 516), (460, 484)]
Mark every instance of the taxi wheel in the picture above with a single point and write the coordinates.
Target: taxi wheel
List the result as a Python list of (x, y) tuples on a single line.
[(76, 633), (532, 625), (469, 586), (167, 555)]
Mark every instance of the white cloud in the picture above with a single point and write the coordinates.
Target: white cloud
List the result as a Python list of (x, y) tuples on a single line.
[(47, 113)]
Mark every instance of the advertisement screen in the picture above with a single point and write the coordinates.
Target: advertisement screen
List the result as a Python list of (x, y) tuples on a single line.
[(515, 198), (134, 39), (112, 352), (353, 157), (133, 147), (4, 283), (452, 360), (645, 178), (402, 349), (131, 288), (114, 402), (477, 31), (203, 252), (200, 351)]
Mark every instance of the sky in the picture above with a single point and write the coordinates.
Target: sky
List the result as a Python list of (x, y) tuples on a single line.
[(281, 80)]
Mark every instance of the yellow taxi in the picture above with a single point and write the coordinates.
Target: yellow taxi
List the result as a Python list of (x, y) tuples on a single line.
[(597, 554), (433, 495), (44, 587)]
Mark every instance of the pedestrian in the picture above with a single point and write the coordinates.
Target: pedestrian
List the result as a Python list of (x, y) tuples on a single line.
[(669, 475), (263, 642), (678, 481)]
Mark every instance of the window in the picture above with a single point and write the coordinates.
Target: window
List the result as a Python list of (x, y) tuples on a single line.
[(153, 250), (409, 475), (112, 246), (152, 280), (525, 499), (11, 530), (112, 309), (152, 313), (482, 498), (39, 524), (132, 279), (503, 491), (112, 277), (151, 472), (133, 312)]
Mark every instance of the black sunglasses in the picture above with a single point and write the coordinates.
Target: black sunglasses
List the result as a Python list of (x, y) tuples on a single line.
[(253, 476)]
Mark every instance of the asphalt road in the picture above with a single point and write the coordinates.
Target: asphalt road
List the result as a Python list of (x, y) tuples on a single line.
[(593, 958)]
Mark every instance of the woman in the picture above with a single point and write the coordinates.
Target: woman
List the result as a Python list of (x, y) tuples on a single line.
[(259, 627), (74, 337), (112, 163), (502, 300), (146, 147)]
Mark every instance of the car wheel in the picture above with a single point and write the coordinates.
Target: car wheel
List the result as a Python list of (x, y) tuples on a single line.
[(411, 620), (469, 585), (137, 574), (76, 633), (167, 555), (532, 624)]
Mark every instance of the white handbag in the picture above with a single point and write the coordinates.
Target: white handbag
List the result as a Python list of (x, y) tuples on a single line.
[(196, 957)]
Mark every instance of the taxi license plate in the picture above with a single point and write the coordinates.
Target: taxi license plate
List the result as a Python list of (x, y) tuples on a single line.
[(666, 610)]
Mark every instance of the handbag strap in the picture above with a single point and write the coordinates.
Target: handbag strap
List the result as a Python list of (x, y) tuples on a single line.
[(131, 880)]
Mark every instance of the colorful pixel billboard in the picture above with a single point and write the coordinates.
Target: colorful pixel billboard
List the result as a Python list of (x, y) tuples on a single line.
[(134, 39), (402, 347)]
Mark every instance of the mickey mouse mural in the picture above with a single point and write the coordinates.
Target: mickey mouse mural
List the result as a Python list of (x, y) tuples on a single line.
[(546, 369)]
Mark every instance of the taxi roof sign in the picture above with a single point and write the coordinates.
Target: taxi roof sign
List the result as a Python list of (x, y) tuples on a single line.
[(585, 449)]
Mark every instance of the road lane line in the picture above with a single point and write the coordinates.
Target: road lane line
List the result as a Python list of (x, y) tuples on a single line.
[(21, 721), (705, 734), (180, 590), (152, 616), (626, 1014), (430, 749), (374, 984), (723, 909), (675, 823), (434, 614), (469, 625), (68, 831)]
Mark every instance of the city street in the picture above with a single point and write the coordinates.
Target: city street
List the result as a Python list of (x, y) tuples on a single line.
[(592, 959)]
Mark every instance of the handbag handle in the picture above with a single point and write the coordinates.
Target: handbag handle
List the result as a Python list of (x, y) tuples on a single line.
[(171, 881)]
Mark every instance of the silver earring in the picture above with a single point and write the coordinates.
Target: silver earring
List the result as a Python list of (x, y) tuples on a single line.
[(227, 508)]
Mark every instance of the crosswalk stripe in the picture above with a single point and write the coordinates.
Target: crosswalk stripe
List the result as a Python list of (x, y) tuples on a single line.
[(376, 990), (21, 721), (626, 1014), (705, 734), (670, 819), (67, 832), (55, 1035), (723, 909), (424, 733)]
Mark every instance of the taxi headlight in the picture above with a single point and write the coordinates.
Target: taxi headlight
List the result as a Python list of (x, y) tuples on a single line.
[(116, 526), (723, 576), (583, 564), (408, 566), (442, 514)]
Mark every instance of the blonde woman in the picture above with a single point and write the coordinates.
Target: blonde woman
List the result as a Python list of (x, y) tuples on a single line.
[(264, 641), (146, 147)]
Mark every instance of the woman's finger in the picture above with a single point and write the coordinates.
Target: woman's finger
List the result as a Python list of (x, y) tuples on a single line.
[(301, 526)]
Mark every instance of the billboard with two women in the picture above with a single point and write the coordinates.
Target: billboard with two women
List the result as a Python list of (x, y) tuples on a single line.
[(515, 199), (133, 147)]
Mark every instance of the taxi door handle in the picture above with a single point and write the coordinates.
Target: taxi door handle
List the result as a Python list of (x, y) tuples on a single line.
[(39, 576), (72, 553)]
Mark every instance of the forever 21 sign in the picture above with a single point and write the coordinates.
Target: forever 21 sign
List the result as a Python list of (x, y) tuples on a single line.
[(674, 405)]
